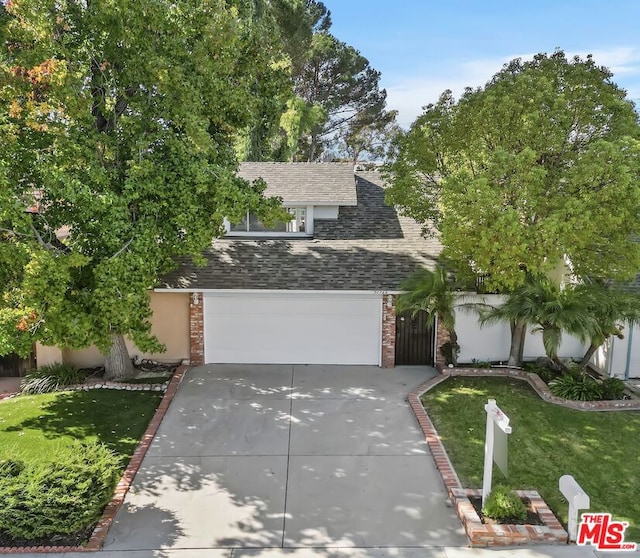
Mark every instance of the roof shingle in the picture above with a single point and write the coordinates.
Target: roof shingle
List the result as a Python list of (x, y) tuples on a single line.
[(305, 183), (369, 247)]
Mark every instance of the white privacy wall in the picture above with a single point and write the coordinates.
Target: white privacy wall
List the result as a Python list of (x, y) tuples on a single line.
[(491, 343), (620, 357)]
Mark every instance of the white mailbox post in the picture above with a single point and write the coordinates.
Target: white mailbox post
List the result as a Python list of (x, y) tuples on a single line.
[(495, 418), (577, 498)]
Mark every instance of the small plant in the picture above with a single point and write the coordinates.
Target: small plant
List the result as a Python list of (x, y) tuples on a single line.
[(546, 374), (576, 387), (57, 497), (448, 351), (480, 363), (612, 388), (50, 378), (503, 505)]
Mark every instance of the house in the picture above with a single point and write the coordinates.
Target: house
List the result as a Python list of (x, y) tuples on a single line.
[(320, 289)]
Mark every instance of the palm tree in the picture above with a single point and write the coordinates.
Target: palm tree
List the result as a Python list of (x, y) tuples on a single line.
[(608, 309), (543, 305), (432, 292)]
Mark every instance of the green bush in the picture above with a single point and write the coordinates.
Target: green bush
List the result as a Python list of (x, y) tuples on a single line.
[(612, 388), (11, 467), (503, 505), (546, 374), (480, 363), (59, 497), (576, 387), (50, 378)]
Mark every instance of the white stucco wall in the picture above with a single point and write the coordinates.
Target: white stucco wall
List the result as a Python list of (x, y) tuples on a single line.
[(620, 357), (491, 343)]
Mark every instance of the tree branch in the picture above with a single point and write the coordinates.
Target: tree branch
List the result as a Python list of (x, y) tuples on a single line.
[(126, 245)]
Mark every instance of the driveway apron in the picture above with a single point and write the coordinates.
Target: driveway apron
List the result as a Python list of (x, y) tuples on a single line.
[(257, 456)]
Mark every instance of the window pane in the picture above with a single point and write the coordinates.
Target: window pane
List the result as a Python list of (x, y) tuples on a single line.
[(241, 226), (302, 219), (255, 225)]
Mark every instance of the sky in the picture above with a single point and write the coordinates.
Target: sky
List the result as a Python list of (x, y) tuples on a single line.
[(422, 47)]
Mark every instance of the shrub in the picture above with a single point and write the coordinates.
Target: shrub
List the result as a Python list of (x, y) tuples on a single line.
[(50, 378), (447, 350), (503, 504), (480, 363), (11, 467), (546, 374), (59, 497), (612, 388), (576, 387)]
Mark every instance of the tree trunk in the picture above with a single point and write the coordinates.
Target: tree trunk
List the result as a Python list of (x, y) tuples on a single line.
[(518, 332), (453, 341), (587, 356), (117, 364)]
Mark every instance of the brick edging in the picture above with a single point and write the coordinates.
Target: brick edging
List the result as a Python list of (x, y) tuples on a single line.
[(108, 515), (543, 390), (478, 533)]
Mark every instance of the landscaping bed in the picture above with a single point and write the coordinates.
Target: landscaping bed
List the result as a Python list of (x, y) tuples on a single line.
[(65, 451), (598, 449)]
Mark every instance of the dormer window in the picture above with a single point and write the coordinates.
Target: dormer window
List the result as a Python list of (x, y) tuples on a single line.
[(251, 225)]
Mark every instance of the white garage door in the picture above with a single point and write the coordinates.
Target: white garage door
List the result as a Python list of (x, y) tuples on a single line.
[(292, 328)]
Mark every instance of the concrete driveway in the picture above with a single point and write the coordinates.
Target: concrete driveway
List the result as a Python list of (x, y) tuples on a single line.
[(253, 456)]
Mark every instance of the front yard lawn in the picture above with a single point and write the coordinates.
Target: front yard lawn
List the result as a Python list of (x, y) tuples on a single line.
[(600, 449), (39, 429)]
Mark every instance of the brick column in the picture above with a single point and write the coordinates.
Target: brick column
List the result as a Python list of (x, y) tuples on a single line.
[(442, 337), (196, 330), (388, 331)]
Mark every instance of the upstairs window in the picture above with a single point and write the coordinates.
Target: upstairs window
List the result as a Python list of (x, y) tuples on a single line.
[(251, 223)]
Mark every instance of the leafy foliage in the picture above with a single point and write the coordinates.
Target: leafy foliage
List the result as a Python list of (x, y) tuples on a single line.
[(335, 105), (541, 164), (11, 467), (116, 124), (58, 497), (50, 378), (577, 387), (433, 293), (504, 504), (612, 388), (591, 311), (545, 373)]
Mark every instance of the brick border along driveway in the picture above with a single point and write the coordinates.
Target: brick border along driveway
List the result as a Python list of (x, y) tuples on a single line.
[(481, 534)]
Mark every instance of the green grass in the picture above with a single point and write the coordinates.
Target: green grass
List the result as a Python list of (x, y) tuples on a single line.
[(600, 449), (37, 427)]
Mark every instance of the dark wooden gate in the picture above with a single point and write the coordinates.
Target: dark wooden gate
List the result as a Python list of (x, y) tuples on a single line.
[(14, 365), (414, 339)]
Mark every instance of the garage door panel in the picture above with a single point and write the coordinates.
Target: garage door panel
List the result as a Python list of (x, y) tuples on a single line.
[(293, 328)]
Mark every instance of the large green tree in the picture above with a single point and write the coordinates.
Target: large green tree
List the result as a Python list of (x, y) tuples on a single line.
[(117, 121), (335, 92), (541, 164)]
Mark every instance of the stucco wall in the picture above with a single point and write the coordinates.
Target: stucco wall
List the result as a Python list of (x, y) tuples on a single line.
[(491, 343), (620, 357), (170, 325)]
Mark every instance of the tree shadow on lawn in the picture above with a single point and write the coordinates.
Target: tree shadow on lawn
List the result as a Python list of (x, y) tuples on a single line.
[(116, 418)]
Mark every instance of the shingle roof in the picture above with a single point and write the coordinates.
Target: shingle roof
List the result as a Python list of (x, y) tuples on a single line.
[(305, 183), (369, 247)]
